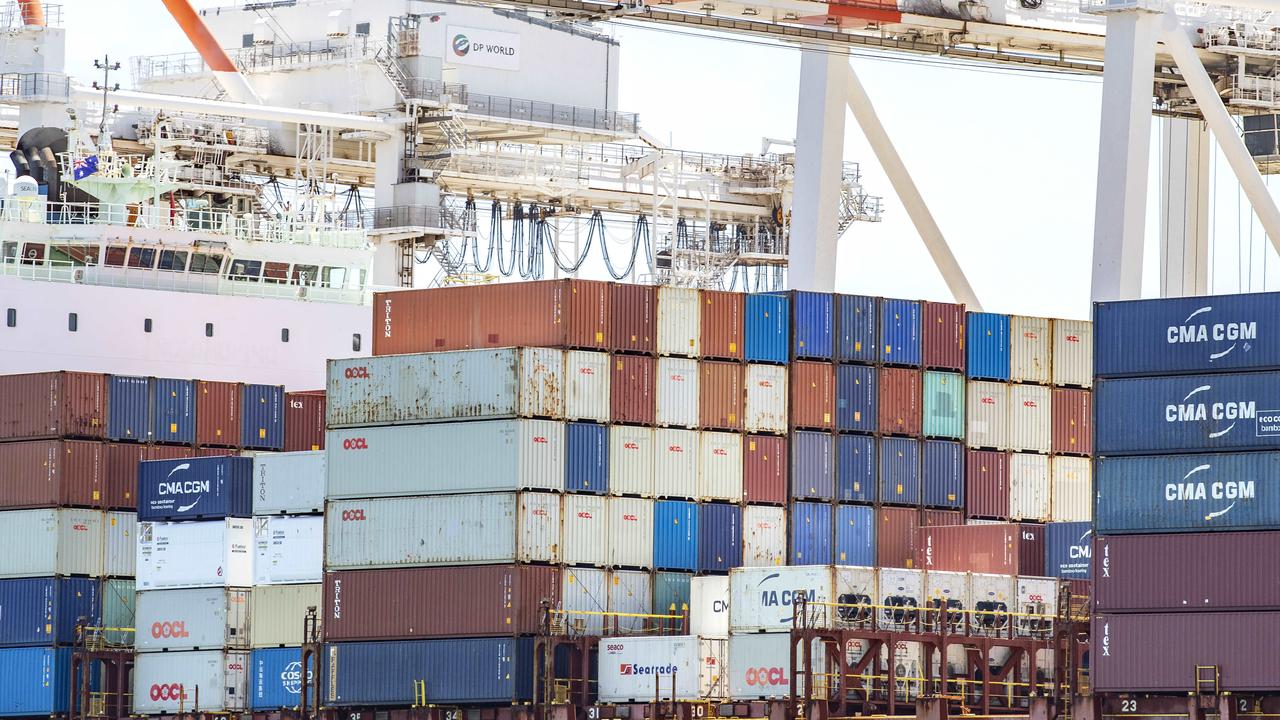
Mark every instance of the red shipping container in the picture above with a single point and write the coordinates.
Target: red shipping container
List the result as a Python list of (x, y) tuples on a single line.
[(217, 414), (470, 601), (722, 324), (51, 473), (304, 420), (1159, 652), (53, 405), (813, 396), (896, 537), (1001, 549), (764, 469), (986, 484), (171, 452), (215, 452), (942, 335), (120, 474), (1180, 572), (631, 398), (900, 399), (720, 395), (633, 324), (932, 518), (1072, 421), (545, 313)]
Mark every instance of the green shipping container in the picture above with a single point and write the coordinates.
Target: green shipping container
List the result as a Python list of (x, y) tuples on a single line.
[(671, 593), (118, 602), (943, 405)]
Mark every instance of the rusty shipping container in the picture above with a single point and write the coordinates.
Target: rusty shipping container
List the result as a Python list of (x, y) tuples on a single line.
[(1186, 572), (720, 395), (986, 484), (544, 313), (934, 518), (1072, 421), (1159, 652), (896, 536), (721, 324), (120, 474), (218, 417), (631, 398), (900, 400), (51, 473), (53, 405), (633, 320), (764, 469), (407, 603), (304, 414), (813, 395), (942, 335), (1000, 549)]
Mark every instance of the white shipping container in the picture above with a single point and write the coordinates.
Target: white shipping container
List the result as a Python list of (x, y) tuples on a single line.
[(764, 536), (1030, 349), (631, 455), (1071, 483), (993, 598), (765, 409), (987, 414), (1030, 418), (120, 541), (760, 666), (277, 613), (288, 483), (169, 682), (907, 663), (709, 606), (38, 543), (901, 592), (1029, 487), (762, 599), (720, 466), (586, 536), (639, 669), (584, 596), (192, 619), (588, 376), (675, 463), (458, 385), (484, 456), (679, 322), (1037, 606), (676, 389), (443, 530), (631, 596), (948, 594), (856, 593), (288, 549), (209, 553), (1073, 353), (630, 532)]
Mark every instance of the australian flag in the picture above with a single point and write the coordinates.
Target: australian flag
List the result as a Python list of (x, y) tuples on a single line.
[(84, 167)]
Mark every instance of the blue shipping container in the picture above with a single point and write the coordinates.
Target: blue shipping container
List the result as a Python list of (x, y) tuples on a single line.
[(1189, 413), (1068, 550), (811, 325), (275, 681), (262, 408), (856, 398), (174, 414), (44, 611), (855, 535), (812, 465), (586, 467), (856, 468), (987, 336), (811, 533), (1187, 493), (675, 535), (767, 328), (857, 329), (129, 408), (900, 332), (899, 471), (719, 537), (202, 488), (671, 592), (1187, 335), (34, 681), (471, 670), (942, 474)]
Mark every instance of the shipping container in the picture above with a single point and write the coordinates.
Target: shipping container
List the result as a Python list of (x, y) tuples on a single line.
[(1071, 489), (469, 385), (633, 318), (722, 328), (899, 588), (675, 535), (548, 313), (759, 667), (899, 392), (195, 554), (120, 474), (586, 463), (218, 418), (899, 471), (812, 395), (631, 398), (288, 549), (630, 532), (443, 530), (942, 474), (709, 606), (587, 395), (585, 527), (811, 533), (584, 600), (986, 484), (288, 482), (53, 405), (942, 335), (631, 456), (52, 473), (988, 414), (764, 469), (1186, 572), (765, 409), (767, 328), (461, 671), (1073, 353), (761, 598), (53, 542), (675, 463), (407, 603), (679, 322), (676, 392), (46, 611), (119, 600), (1001, 549), (1030, 349), (275, 681), (675, 667), (943, 404), (811, 325), (262, 426), (987, 357), (896, 537), (812, 465), (1072, 422), (900, 332), (631, 599), (1160, 652), (720, 395), (930, 518), (857, 395), (484, 456), (764, 536), (34, 681), (720, 466), (174, 415), (304, 421), (855, 536), (119, 544), (857, 329), (1068, 551), (209, 488), (278, 612), (671, 592), (129, 408), (857, 469), (169, 683), (1029, 489), (1030, 418), (1188, 493), (193, 619), (719, 537), (952, 592)]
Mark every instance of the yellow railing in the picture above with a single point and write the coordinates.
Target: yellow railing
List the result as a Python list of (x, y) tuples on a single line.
[(987, 622)]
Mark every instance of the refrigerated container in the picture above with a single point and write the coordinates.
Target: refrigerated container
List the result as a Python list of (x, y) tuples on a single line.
[(855, 535), (53, 405), (585, 523), (767, 325), (857, 329), (173, 419), (675, 535), (900, 409), (719, 537), (721, 324), (288, 482), (631, 458), (587, 377), (943, 405), (987, 356), (857, 469), (208, 488), (1071, 489), (812, 533), (52, 473), (1030, 418), (764, 536), (675, 463), (763, 599), (629, 530), (168, 683), (1029, 494), (1030, 349), (288, 549), (676, 392), (46, 611), (464, 671), (765, 408), (195, 554), (304, 420), (942, 474), (942, 335), (1072, 422), (679, 322), (812, 456), (586, 463), (899, 470), (857, 404), (631, 398), (720, 466), (720, 395), (759, 667), (673, 667), (812, 390), (53, 542), (947, 600), (193, 619), (901, 596), (277, 613), (1037, 606), (1188, 493), (633, 318), (764, 469), (709, 606), (1186, 572), (988, 412), (900, 332), (1073, 353)]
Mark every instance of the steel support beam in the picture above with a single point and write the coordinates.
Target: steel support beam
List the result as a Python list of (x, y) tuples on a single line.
[(819, 159), (1184, 207)]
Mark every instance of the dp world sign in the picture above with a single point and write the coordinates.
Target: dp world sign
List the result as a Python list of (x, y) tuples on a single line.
[(483, 48)]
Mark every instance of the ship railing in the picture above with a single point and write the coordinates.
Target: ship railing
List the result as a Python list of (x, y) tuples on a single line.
[(412, 216), (170, 65), (276, 56), (562, 621), (34, 87), (11, 16), (992, 622), (548, 113)]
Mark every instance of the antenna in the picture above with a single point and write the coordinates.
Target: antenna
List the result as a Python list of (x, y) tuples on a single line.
[(106, 66)]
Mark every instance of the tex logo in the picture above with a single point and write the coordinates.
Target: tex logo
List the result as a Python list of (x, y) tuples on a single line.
[(461, 45)]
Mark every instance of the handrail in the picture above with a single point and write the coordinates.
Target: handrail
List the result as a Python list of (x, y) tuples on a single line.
[(968, 622)]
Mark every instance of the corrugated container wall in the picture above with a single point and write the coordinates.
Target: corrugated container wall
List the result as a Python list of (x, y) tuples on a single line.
[(195, 554), (278, 612), (631, 455), (722, 329), (679, 322), (288, 549), (720, 395), (1186, 572), (164, 683), (630, 594), (1229, 491), (900, 395), (289, 482), (174, 415), (1030, 418), (586, 464), (584, 594), (855, 536), (675, 463), (942, 333), (671, 592), (120, 543), (767, 320), (119, 599), (765, 409), (813, 395), (900, 332), (857, 394), (942, 474), (630, 532), (988, 415), (46, 611), (193, 619), (719, 537), (275, 681), (986, 477), (465, 671), (899, 471), (677, 392), (1029, 495), (764, 536), (1072, 421), (896, 537), (988, 348), (857, 469), (1030, 349), (585, 533), (44, 473), (34, 681), (631, 397), (943, 405), (54, 542), (1153, 652), (675, 535), (1071, 489), (1068, 551), (196, 489), (633, 318), (129, 409), (1073, 353), (998, 549), (53, 405), (218, 418), (587, 374), (262, 426), (811, 533), (856, 322), (812, 465), (120, 473), (304, 420), (811, 325), (720, 466), (764, 469)]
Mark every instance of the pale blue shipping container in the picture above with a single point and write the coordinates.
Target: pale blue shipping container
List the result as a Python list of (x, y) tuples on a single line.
[(719, 537), (856, 468), (987, 354), (174, 414), (900, 332), (1187, 493), (477, 671), (129, 408), (855, 535), (811, 533), (943, 405), (44, 611), (942, 474), (1068, 550), (34, 681), (1187, 335), (856, 398), (675, 535), (275, 680), (811, 325), (812, 465), (202, 488), (899, 471), (586, 467), (262, 410), (767, 328), (857, 329), (671, 592), (1187, 413)]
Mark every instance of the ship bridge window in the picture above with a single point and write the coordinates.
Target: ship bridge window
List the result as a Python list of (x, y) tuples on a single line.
[(250, 270), (33, 254), (8, 251), (141, 257), (362, 28), (205, 263), (305, 274), (355, 280), (333, 277), (275, 272), (174, 260), (115, 256), (74, 255)]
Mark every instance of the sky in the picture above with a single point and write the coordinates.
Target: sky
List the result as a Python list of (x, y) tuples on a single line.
[(1006, 161)]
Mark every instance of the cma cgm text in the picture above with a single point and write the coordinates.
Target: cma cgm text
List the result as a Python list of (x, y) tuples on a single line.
[(1193, 412), (1231, 490), (1218, 332)]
